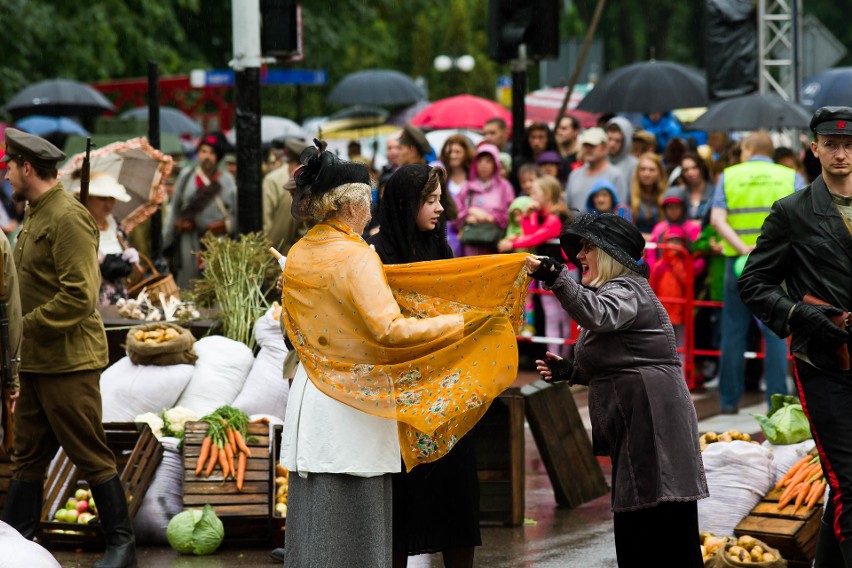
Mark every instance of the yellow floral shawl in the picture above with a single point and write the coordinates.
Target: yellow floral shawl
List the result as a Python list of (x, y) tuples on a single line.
[(360, 332)]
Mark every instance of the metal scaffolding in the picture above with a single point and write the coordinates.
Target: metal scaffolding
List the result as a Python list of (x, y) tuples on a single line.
[(779, 32)]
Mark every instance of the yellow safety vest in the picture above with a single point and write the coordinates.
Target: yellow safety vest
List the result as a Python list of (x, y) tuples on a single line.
[(750, 190)]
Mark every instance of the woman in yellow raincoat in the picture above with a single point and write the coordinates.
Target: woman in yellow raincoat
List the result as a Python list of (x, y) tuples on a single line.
[(373, 383)]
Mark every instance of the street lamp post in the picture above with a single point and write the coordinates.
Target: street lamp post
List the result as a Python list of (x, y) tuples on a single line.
[(464, 63)]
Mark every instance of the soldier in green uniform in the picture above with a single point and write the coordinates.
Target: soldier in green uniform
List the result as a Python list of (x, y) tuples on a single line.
[(11, 385), (63, 349)]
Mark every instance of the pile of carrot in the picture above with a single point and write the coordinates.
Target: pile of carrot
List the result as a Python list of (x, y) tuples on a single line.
[(803, 484), (225, 445)]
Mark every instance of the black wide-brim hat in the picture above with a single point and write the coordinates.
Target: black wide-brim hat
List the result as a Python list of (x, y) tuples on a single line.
[(615, 235)]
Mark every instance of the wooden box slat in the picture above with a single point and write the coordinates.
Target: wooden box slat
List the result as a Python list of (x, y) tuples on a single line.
[(499, 440), (563, 443), (794, 535), (137, 455), (245, 515)]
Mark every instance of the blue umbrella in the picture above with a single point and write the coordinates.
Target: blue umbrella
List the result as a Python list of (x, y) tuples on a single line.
[(172, 120), (829, 87), (47, 125)]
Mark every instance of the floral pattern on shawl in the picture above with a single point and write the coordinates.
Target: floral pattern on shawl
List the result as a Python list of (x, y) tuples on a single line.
[(363, 349)]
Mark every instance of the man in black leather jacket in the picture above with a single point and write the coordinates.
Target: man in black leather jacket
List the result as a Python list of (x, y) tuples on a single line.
[(805, 247)]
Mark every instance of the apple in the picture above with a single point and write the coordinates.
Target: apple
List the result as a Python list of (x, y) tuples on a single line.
[(59, 515), (84, 518), (71, 503), (81, 495), (92, 505), (82, 506), (71, 516)]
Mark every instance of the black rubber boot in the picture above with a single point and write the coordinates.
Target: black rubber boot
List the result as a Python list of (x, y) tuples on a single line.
[(112, 512), (846, 549), (23, 506), (828, 553)]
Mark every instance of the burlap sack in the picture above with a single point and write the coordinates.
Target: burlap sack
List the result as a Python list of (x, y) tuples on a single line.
[(176, 351), (722, 560)]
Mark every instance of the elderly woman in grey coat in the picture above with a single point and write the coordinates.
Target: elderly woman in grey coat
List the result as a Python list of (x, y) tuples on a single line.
[(641, 412)]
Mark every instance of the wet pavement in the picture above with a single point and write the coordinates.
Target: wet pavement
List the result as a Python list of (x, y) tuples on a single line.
[(551, 536)]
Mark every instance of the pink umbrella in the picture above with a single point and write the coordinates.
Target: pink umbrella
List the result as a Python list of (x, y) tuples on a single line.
[(462, 111)]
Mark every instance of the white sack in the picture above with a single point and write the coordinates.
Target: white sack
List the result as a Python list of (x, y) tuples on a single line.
[(785, 457), (266, 390), (164, 498), (18, 551), (218, 376), (128, 390), (739, 475)]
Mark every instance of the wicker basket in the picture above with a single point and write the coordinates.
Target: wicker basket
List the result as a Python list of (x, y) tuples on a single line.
[(155, 284)]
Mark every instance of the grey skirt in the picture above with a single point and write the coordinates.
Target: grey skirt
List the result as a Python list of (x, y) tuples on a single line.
[(338, 521)]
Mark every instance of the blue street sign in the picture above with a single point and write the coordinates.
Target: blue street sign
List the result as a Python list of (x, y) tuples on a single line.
[(225, 77)]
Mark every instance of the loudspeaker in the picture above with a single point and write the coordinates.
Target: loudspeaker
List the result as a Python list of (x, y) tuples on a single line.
[(531, 22), (279, 32)]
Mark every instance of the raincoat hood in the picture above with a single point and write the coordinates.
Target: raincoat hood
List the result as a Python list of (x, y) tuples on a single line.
[(627, 131), (492, 151), (602, 184)]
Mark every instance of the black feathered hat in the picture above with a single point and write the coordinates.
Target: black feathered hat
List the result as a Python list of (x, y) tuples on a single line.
[(322, 171), (615, 235)]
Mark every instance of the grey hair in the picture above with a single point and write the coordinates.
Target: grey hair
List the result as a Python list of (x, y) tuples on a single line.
[(331, 202)]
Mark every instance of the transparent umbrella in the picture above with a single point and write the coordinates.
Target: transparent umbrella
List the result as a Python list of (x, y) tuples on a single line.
[(137, 165)]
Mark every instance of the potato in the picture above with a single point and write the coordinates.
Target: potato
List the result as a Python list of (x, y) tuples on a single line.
[(746, 541), (151, 342), (725, 438), (710, 437), (735, 550), (139, 335), (714, 543), (769, 557), (733, 433), (280, 470), (745, 437), (756, 554)]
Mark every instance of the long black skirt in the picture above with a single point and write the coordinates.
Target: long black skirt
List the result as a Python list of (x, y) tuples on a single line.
[(673, 523), (436, 505)]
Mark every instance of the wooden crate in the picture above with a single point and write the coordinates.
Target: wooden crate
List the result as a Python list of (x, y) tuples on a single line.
[(137, 455), (5, 477), (499, 438), (795, 536), (563, 443), (245, 515)]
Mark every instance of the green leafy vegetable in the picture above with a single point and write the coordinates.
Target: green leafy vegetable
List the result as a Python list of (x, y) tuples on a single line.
[(785, 423), (195, 532)]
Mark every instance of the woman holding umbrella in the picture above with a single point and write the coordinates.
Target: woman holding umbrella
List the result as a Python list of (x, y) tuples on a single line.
[(117, 260), (641, 412)]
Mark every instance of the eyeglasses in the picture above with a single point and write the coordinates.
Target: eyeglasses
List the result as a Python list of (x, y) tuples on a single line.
[(588, 247), (832, 147)]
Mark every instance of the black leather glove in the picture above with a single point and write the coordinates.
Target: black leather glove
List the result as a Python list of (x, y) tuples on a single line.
[(548, 270), (114, 267), (560, 370), (815, 321)]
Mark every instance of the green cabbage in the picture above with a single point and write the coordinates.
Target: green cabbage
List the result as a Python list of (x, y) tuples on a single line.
[(785, 423), (196, 532)]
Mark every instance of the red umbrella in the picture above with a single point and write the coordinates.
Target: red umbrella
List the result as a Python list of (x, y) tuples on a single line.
[(462, 111), (543, 105)]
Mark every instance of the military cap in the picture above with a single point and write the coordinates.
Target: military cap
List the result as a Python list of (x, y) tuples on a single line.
[(831, 120), (413, 136), (295, 146), (34, 149)]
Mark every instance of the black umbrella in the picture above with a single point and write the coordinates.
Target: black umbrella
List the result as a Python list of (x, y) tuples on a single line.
[(172, 120), (752, 112), (650, 86), (58, 97), (376, 87), (829, 87)]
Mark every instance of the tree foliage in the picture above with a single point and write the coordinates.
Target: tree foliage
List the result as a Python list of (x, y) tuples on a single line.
[(114, 39)]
